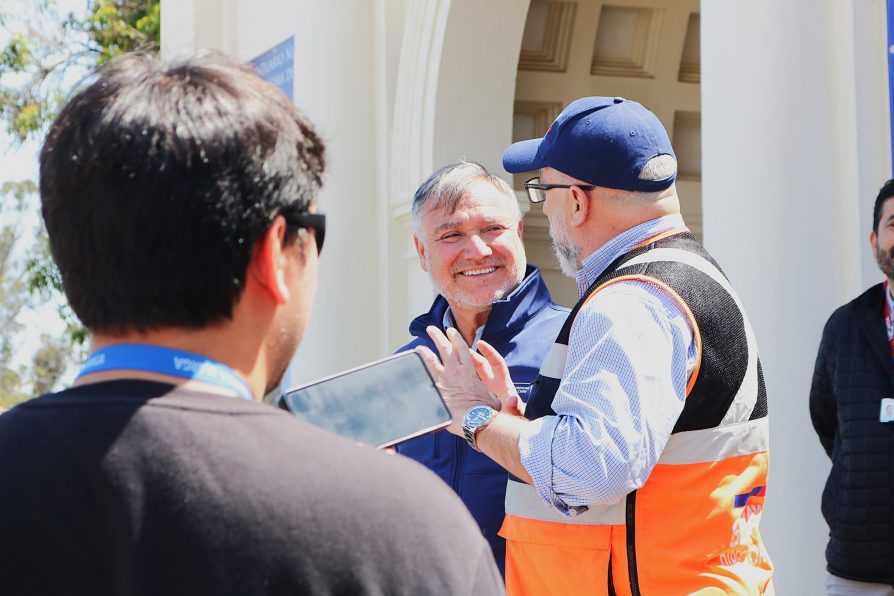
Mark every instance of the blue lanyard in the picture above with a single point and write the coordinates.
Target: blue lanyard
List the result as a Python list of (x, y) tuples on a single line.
[(166, 361)]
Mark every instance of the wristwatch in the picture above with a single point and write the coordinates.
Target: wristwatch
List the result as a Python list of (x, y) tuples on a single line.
[(475, 419)]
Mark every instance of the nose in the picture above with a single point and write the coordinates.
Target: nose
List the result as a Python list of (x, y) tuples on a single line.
[(478, 247)]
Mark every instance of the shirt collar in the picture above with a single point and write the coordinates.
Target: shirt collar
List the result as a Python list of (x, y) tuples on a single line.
[(450, 322), (594, 265)]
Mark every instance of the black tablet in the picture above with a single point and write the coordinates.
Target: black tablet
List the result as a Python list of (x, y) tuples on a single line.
[(381, 403)]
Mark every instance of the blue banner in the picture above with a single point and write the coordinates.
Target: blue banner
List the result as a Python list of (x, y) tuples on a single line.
[(277, 65)]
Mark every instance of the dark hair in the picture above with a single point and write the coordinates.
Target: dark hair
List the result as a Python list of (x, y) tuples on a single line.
[(157, 179), (886, 192)]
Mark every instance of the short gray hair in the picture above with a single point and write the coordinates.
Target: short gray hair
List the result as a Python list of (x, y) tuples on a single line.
[(447, 186)]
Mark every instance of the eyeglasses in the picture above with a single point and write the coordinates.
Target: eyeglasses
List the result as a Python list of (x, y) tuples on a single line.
[(537, 191), (314, 221)]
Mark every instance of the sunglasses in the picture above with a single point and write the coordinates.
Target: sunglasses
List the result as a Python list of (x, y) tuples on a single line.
[(313, 221)]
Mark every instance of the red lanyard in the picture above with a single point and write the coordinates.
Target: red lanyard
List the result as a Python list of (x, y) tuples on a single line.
[(889, 323)]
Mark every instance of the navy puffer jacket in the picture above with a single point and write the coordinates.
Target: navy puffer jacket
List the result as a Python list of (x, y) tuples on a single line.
[(853, 373)]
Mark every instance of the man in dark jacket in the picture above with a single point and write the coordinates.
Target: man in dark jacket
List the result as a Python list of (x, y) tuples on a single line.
[(468, 233), (850, 404)]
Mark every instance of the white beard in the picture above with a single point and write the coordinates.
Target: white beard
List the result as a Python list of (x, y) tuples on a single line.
[(566, 252)]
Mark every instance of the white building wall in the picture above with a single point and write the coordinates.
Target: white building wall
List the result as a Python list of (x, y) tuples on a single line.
[(453, 100), (794, 150), (336, 68)]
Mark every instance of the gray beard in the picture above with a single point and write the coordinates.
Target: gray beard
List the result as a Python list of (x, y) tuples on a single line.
[(461, 300), (567, 254)]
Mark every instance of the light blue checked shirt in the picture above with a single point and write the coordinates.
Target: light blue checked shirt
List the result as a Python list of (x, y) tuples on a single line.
[(630, 354)]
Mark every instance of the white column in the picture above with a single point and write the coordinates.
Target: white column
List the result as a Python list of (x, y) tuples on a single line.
[(454, 99), (791, 163), (334, 86), (189, 25)]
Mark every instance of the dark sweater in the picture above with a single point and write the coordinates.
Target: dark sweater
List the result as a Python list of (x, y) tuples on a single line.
[(853, 373), (134, 487)]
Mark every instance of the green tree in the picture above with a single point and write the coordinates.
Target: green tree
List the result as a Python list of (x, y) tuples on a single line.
[(48, 364), (45, 52), (48, 52), (13, 295), (50, 361)]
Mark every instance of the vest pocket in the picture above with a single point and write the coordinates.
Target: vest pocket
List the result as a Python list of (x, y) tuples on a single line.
[(552, 558)]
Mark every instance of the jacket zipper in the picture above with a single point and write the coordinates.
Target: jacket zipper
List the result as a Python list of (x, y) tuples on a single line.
[(631, 544), (460, 446)]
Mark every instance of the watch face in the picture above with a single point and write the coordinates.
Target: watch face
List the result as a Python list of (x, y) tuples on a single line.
[(478, 414)]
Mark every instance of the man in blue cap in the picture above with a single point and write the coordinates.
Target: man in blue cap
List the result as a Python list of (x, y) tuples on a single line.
[(640, 462)]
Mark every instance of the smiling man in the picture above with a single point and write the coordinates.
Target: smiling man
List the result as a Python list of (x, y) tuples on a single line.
[(468, 234)]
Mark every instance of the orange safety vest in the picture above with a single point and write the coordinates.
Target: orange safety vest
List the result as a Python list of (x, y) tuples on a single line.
[(693, 527)]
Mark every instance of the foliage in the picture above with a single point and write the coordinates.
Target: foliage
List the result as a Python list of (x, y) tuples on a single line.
[(13, 299), (51, 359), (47, 52), (45, 55), (47, 365)]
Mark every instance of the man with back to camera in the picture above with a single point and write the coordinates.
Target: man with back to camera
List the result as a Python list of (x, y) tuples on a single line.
[(851, 403), (640, 463), (180, 202), (467, 228)]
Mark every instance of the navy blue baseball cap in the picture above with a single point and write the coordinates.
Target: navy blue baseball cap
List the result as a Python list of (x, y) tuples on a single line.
[(604, 141)]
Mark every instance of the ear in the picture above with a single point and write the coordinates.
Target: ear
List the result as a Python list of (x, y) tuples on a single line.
[(581, 205), (521, 227), (268, 261), (873, 241), (420, 250)]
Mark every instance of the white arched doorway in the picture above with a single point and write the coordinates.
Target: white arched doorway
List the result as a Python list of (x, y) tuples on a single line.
[(453, 99)]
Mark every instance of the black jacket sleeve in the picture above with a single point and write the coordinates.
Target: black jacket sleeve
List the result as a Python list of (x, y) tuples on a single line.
[(823, 406)]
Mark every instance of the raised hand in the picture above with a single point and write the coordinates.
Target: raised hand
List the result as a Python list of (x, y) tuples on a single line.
[(456, 376), (494, 374)]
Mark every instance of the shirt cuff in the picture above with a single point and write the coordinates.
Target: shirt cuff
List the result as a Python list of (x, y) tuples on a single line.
[(536, 456)]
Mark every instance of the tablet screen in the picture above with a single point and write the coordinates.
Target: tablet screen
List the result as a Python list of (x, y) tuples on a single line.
[(380, 404)]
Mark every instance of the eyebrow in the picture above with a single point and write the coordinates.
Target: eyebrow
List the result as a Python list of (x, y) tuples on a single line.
[(447, 225)]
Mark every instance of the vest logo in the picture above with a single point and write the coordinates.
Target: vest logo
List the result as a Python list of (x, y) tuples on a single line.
[(742, 500), (745, 545)]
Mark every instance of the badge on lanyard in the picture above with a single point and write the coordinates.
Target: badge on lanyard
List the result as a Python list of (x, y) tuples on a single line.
[(887, 412)]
